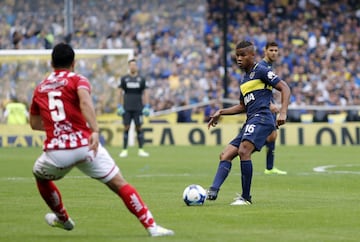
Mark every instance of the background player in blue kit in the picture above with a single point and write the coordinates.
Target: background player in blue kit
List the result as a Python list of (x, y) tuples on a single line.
[(133, 95), (255, 96), (271, 55)]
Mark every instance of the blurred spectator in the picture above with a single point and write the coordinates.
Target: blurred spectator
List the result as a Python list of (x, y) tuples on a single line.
[(184, 116), (181, 44), (296, 109), (16, 112), (209, 110)]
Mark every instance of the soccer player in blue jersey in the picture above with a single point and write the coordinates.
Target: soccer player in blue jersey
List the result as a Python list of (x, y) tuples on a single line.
[(271, 55), (255, 96)]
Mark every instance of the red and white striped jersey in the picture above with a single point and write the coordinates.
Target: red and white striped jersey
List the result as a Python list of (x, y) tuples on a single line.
[(56, 100)]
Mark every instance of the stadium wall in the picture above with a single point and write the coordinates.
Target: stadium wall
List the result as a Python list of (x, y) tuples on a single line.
[(312, 134)]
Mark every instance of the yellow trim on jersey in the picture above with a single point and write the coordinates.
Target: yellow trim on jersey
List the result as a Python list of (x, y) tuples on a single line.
[(253, 85)]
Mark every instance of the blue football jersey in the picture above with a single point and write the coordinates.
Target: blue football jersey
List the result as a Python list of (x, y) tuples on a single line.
[(269, 66), (266, 64), (256, 90)]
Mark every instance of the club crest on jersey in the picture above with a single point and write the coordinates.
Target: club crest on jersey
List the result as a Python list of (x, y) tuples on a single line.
[(252, 74), (248, 98)]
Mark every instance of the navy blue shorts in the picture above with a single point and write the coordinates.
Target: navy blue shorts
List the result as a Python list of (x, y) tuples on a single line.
[(256, 130), (133, 115)]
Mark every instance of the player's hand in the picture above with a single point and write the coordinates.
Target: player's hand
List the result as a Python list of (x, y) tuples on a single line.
[(281, 119), (146, 110), (120, 110), (274, 108), (214, 119), (94, 142)]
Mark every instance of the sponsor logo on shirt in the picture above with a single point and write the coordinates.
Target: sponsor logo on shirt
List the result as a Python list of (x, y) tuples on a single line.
[(248, 98), (53, 85), (133, 85)]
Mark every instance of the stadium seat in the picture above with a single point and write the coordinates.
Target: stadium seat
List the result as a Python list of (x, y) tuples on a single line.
[(337, 118), (306, 118)]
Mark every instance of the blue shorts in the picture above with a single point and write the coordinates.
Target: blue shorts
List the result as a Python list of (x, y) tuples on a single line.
[(256, 130)]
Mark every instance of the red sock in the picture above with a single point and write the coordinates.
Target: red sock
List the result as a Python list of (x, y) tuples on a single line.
[(135, 205), (52, 197)]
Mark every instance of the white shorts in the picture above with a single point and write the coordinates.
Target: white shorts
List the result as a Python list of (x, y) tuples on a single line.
[(55, 164)]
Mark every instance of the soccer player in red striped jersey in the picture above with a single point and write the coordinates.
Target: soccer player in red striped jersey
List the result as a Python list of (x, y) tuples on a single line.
[(63, 108)]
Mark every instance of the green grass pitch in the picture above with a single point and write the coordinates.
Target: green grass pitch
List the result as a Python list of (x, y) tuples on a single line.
[(304, 205)]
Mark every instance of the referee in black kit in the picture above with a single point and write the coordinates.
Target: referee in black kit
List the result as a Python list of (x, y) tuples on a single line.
[(133, 96)]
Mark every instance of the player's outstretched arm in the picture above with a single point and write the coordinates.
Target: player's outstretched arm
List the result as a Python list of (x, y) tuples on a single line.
[(285, 99), (236, 109)]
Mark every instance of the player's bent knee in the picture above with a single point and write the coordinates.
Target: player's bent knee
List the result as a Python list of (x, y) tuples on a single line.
[(116, 182), (226, 157), (245, 152)]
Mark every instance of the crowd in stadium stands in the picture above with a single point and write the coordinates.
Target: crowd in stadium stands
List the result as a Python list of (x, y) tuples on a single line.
[(179, 46)]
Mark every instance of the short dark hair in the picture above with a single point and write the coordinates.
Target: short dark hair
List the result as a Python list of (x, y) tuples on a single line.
[(243, 44), (271, 44), (62, 56)]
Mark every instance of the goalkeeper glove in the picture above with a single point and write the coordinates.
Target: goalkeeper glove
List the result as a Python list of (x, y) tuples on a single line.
[(146, 110), (120, 110)]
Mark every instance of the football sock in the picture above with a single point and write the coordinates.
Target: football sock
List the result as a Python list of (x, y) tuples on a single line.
[(222, 172), (140, 138), (246, 177), (270, 147), (125, 139), (136, 206), (52, 197)]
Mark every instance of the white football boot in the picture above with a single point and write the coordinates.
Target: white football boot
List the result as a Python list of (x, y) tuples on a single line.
[(157, 231), (54, 221)]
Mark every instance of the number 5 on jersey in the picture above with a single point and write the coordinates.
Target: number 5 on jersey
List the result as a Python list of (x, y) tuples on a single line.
[(56, 106)]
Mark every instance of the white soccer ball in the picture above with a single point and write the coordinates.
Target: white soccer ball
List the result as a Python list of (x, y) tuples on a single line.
[(194, 195)]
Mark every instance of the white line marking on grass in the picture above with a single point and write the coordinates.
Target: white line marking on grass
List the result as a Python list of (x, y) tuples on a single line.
[(14, 178), (162, 175), (319, 169), (324, 169), (86, 177)]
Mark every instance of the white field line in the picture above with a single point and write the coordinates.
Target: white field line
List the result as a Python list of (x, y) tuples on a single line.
[(338, 170), (317, 170), (86, 177)]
